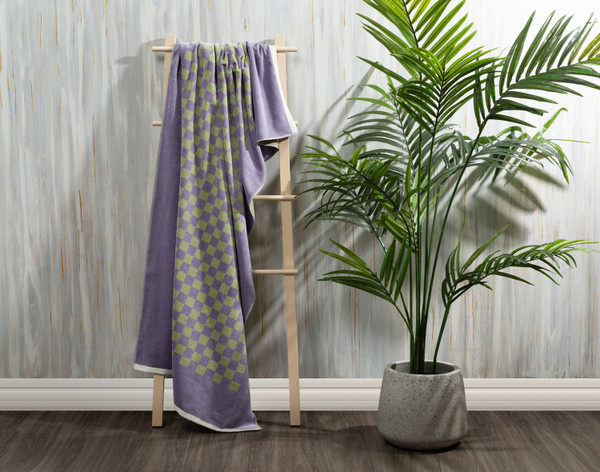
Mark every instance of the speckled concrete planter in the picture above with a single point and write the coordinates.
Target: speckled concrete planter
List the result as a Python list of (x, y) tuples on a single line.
[(422, 411)]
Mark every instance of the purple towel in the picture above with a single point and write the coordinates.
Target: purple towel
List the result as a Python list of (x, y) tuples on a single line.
[(223, 108)]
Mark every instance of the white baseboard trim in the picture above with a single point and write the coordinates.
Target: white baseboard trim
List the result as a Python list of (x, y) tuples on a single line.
[(315, 394)]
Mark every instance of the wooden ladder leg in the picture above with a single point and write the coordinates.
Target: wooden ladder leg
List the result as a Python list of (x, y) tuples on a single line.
[(288, 257), (158, 390), (292, 348), (158, 395), (291, 324)]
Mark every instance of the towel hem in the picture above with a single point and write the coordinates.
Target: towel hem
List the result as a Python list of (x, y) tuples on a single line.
[(195, 419), (152, 370), (288, 114)]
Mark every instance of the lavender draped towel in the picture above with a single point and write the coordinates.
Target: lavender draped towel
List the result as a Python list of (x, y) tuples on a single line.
[(224, 106)]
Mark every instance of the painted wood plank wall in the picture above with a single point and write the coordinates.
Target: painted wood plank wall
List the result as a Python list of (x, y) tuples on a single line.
[(79, 87)]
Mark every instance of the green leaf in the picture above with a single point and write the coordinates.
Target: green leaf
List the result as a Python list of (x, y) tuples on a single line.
[(513, 55), (408, 177), (352, 261), (483, 247), (510, 119), (533, 47), (513, 277)]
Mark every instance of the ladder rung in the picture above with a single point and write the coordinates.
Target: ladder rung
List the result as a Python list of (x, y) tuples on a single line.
[(159, 123), (170, 49), (275, 271), (284, 198)]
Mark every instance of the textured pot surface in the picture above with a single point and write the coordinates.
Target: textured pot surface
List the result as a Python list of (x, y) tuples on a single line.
[(422, 411)]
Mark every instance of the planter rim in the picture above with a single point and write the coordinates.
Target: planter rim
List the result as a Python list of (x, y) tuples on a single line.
[(455, 368)]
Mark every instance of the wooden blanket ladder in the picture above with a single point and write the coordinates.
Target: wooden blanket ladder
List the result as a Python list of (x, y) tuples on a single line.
[(288, 271)]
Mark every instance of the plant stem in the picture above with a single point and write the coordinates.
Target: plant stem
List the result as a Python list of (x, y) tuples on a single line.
[(418, 255), (426, 248), (430, 242), (449, 206), (439, 339), (421, 353)]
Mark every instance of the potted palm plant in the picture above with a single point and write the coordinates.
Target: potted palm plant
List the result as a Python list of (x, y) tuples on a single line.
[(403, 163)]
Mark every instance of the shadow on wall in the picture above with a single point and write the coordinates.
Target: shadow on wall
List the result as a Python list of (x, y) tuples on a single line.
[(265, 328)]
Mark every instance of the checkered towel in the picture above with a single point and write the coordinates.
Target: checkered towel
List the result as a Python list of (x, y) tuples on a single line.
[(224, 107)]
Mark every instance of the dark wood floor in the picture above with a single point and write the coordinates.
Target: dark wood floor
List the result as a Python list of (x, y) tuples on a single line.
[(327, 441)]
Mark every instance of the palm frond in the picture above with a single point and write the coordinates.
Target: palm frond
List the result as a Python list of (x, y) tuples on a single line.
[(542, 258), (386, 286), (430, 44), (355, 190), (437, 26), (555, 61)]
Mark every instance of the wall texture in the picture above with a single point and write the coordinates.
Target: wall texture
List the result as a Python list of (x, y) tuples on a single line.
[(79, 87)]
